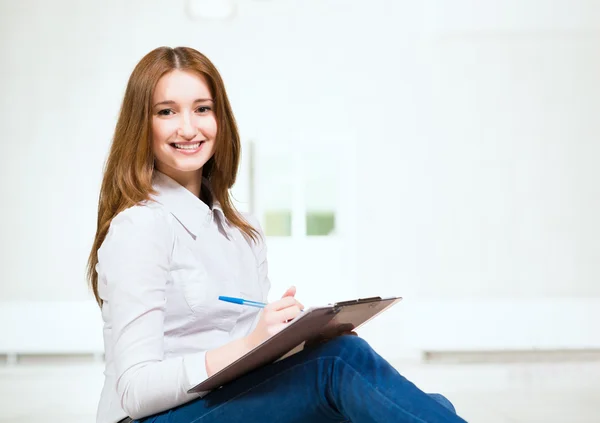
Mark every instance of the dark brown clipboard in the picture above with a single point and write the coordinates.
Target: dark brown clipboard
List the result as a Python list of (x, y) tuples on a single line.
[(326, 321)]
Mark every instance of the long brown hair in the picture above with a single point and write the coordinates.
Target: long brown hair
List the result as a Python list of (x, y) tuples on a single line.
[(129, 168)]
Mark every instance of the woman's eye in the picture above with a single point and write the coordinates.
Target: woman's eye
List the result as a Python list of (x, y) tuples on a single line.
[(203, 109), (165, 112)]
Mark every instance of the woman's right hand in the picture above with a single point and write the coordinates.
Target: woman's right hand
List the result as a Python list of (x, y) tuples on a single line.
[(274, 317)]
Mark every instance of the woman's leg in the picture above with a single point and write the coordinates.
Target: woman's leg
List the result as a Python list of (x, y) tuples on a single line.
[(444, 401), (341, 380)]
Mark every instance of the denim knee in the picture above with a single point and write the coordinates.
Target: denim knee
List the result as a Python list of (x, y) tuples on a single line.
[(345, 344), (443, 401)]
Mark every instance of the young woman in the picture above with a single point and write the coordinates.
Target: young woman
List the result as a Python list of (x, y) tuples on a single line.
[(169, 242)]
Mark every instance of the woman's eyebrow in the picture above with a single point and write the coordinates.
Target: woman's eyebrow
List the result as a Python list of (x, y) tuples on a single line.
[(171, 102)]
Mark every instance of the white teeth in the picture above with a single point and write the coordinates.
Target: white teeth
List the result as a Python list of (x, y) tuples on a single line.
[(187, 146)]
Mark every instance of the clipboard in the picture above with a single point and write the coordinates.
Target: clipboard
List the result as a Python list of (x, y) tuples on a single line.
[(315, 322)]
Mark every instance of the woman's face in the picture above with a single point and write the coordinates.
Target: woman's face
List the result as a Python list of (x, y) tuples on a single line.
[(184, 126)]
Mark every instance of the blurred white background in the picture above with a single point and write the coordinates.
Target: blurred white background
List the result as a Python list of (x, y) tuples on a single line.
[(441, 151)]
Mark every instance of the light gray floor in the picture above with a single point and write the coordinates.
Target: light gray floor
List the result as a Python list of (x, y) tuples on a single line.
[(485, 393)]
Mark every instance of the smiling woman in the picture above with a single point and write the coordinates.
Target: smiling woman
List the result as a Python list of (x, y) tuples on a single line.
[(184, 127), (169, 243), (174, 96)]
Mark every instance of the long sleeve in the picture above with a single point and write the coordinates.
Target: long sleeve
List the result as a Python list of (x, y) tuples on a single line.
[(133, 270)]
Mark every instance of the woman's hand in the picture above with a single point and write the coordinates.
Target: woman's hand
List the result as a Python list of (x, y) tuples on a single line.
[(274, 317)]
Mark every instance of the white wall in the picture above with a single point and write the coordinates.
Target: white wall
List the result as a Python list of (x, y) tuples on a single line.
[(474, 124), (485, 154)]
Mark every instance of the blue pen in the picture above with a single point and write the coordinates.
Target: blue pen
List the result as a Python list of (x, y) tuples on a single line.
[(242, 301)]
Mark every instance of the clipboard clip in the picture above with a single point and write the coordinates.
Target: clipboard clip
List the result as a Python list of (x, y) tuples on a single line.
[(338, 306)]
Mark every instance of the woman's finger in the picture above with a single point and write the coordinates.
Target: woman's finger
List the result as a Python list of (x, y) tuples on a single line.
[(285, 302), (291, 291), (288, 313)]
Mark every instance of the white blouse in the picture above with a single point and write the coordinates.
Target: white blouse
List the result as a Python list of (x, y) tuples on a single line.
[(160, 270)]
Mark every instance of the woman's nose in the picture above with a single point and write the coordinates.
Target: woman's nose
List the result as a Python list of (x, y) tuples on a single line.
[(187, 130)]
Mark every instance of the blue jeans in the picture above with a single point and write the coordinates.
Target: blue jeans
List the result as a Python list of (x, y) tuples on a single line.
[(341, 380)]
